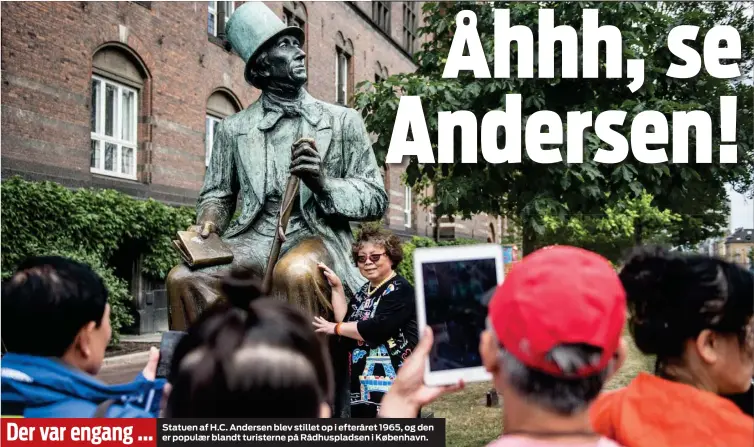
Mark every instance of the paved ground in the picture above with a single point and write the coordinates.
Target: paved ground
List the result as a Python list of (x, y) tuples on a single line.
[(124, 368)]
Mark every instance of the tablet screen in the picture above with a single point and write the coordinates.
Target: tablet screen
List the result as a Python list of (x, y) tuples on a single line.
[(456, 295)]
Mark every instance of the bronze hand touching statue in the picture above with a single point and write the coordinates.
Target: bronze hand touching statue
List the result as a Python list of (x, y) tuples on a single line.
[(255, 152)]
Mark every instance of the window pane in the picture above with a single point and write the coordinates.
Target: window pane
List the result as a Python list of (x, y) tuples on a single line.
[(127, 160), (95, 156), (215, 125), (339, 74), (109, 109), (209, 136), (211, 23), (128, 116), (96, 86), (110, 156)]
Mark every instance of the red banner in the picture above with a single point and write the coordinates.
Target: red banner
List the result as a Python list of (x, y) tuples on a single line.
[(24, 432)]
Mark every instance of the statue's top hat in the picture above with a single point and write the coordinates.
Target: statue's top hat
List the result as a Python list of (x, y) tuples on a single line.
[(252, 26)]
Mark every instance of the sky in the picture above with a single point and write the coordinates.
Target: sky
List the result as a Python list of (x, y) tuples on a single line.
[(741, 208)]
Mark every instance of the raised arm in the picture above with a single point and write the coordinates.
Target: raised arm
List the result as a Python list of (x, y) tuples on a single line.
[(217, 199)]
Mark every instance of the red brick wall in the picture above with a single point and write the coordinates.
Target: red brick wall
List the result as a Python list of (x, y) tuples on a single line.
[(47, 50), (46, 71)]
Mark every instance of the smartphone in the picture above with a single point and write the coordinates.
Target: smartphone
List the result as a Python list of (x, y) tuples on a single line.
[(168, 343), (453, 288)]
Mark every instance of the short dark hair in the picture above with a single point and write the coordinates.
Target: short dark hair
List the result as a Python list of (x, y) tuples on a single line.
[(46, 303), (379, 236), (564, 396), (260, 63), (250, 356), (672, 297)]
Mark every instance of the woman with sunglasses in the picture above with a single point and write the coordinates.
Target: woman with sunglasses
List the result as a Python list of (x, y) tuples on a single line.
[(378, 325)]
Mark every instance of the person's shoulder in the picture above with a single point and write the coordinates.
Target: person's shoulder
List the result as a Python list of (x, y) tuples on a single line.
[(80, 408), (605, 400), (339, 112), (403, 283), (400, 287), (67, 408), (237, 122), (607, 442), (127, 411)]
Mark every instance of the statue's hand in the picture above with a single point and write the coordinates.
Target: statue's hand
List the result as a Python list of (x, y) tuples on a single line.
[(306, 164), (205, 229)]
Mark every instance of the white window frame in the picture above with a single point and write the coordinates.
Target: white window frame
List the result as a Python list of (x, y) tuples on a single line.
[(99, 134), (212, 9), (407, 205), (338, 53), (209, 137)]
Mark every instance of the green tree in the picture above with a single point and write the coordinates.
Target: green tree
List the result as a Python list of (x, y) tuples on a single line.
[(530, 191), (103, 228), (612, 232)]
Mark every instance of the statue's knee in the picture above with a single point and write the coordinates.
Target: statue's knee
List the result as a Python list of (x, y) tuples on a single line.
[(294, 270), (177, 276)]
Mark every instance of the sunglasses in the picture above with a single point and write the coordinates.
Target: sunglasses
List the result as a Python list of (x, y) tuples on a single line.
[(373, 257)]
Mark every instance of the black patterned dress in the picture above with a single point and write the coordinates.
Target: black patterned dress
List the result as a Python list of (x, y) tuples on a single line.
[(386, 320)]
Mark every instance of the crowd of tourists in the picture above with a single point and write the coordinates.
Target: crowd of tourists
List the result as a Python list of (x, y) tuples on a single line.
[(555, 336)]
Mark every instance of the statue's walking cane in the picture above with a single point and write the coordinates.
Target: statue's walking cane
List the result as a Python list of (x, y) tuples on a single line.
[(286, 207)]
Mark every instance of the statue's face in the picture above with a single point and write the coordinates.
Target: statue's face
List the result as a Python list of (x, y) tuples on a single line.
[(286, 61)]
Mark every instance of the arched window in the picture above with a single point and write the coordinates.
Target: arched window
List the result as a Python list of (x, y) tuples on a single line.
[(343, 69), (380, 72), (220, 105), (408, 204), (118, 84)]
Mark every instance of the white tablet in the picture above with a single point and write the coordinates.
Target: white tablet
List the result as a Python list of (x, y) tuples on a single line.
[(453, 287)]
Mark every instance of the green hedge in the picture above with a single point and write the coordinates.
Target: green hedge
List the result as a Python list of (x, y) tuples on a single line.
[(103, 228), (406, 267)]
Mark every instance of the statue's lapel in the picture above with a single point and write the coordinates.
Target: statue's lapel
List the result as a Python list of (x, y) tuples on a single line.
[(322, 138), (251, 148)]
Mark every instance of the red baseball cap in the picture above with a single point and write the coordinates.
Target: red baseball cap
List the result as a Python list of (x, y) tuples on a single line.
[(559, 295)]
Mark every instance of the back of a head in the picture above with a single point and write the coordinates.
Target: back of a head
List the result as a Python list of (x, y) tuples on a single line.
[(46, 303), (250, 357), (673, 297), (558, 318)]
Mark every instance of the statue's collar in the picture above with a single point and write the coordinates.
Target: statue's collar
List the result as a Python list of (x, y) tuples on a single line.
[(275, 107)]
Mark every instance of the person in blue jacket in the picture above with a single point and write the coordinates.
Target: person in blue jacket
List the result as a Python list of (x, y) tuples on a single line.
[(55, 329)]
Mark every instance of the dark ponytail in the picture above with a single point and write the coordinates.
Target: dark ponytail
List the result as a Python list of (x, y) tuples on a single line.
[(673, 296)]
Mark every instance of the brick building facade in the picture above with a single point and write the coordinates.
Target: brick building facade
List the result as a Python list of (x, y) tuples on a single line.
[(126, 95)]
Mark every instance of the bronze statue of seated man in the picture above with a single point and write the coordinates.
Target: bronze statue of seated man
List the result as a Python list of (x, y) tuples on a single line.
[(285, 133)]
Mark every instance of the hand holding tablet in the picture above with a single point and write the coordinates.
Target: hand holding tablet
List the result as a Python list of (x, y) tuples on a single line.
[(453, 285)]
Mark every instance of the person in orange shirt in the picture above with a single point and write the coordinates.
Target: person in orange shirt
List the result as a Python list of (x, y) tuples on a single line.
[(694, 313)]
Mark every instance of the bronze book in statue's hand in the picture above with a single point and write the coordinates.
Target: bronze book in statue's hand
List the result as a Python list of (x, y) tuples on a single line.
[(197, 251)]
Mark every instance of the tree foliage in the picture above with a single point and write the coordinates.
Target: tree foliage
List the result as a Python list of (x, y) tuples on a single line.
[(533, 192), (616, 230)]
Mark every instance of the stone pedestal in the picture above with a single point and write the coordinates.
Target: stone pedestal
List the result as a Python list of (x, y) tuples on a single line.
[(153, 316)]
